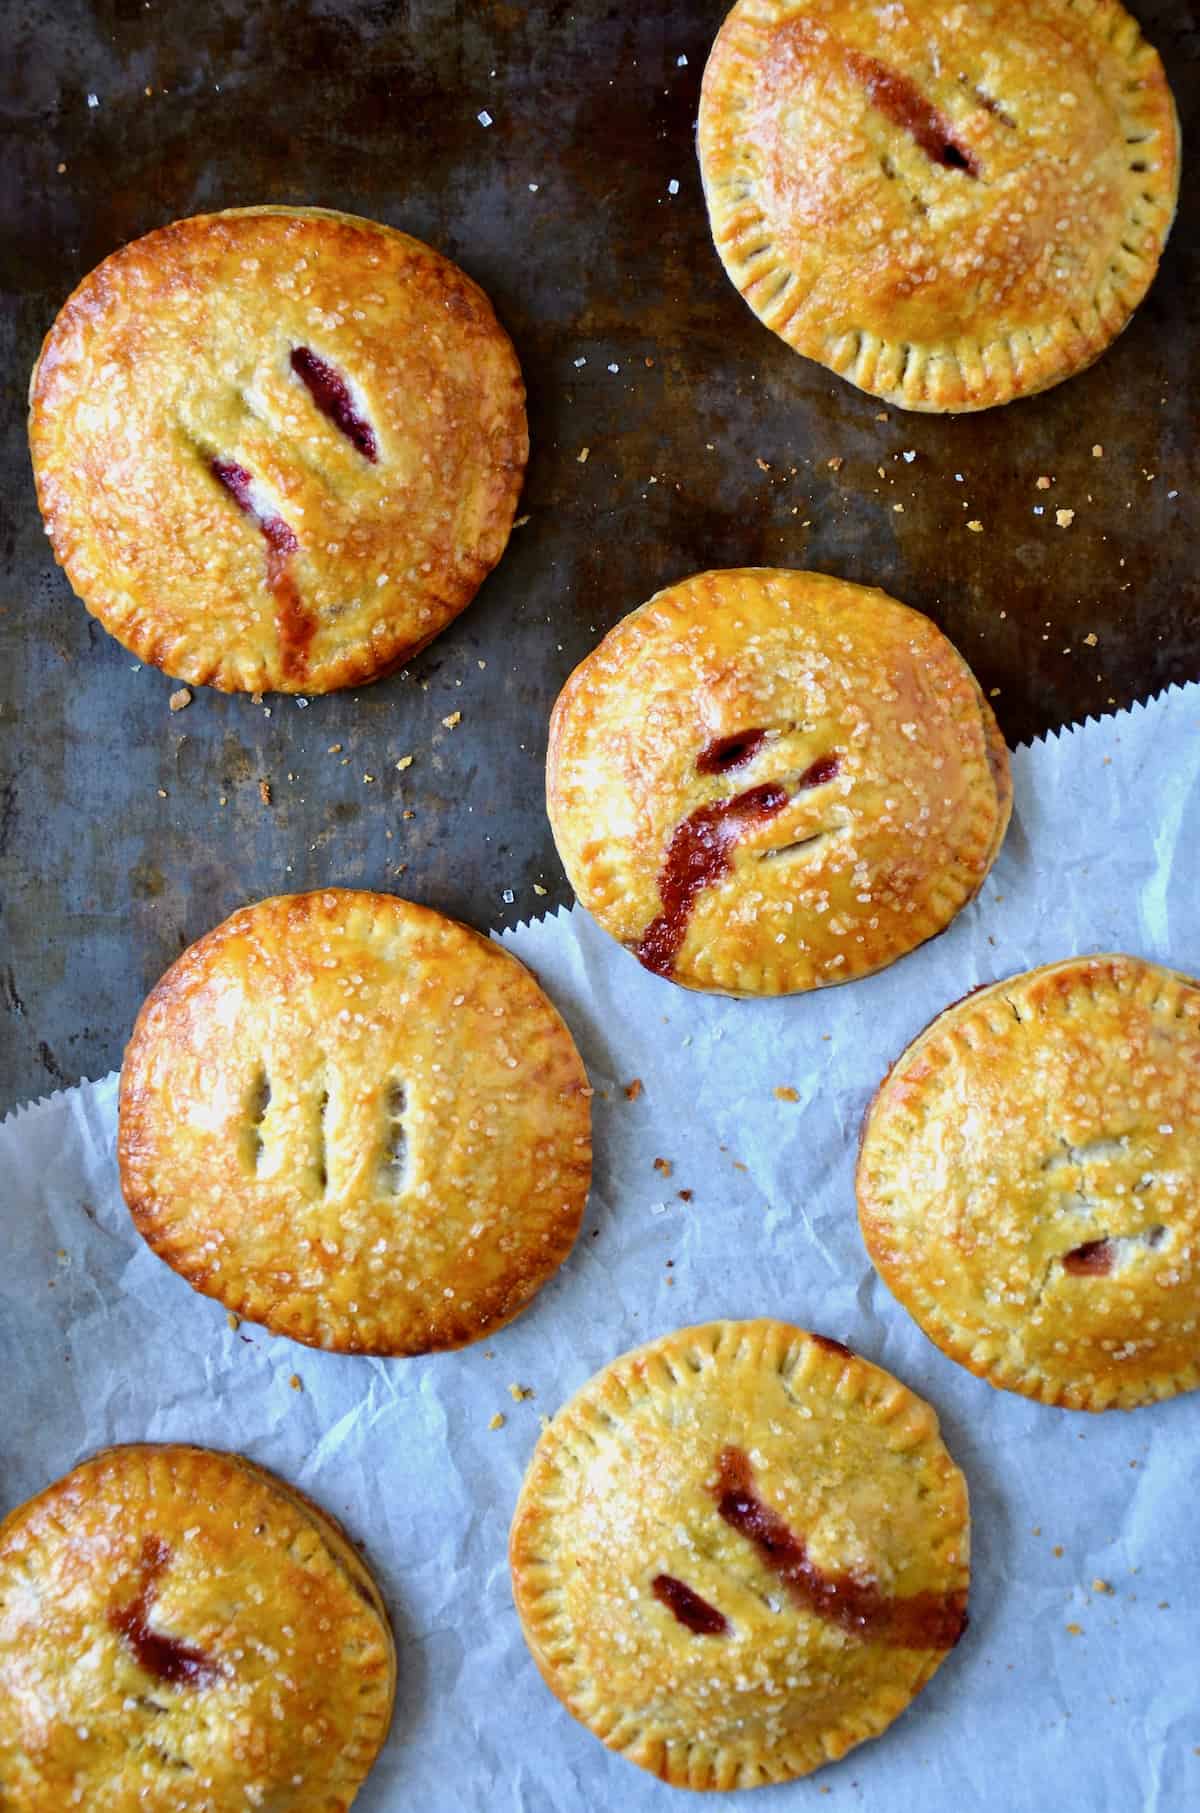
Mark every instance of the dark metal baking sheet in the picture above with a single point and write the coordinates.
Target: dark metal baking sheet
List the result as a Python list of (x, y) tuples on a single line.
[(125, 831)]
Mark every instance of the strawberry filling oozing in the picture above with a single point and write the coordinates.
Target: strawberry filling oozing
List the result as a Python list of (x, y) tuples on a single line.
[(159, 1655), (699, 1616), (331, 394)]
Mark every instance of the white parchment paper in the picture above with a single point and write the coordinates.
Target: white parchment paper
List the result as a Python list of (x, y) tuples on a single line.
[(1060, 1697)]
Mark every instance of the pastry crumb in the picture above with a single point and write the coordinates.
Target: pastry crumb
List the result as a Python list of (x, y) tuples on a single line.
[(264, 792), (1101, 1586), (180, 700), (1058, 1549), (161, 791), (1064, 518), (518, 1393), (334, 749), (686, 1195), (234, 1322), (405, 761), (454, 718), (785, 1093), (1043, 484), (1075, 1630), (1097, 452), (539, 889), (582, 455), (295, 1382), (497, 1421), (975, 526), (762, 465), (663, 1166), (1091, 639), (836, 463), (633, 1089)]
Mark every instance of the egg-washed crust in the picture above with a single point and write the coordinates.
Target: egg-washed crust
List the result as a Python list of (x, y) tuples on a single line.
[(1029, 1182), (913, 818), (335, 568), (356, 1121), (261, 1585), (623, 1490), (948, 204)]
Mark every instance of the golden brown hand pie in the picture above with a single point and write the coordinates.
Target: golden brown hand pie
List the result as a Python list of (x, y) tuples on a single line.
[(1029, 1182), (739, 1551), (765, 781), (949, 204), (277, 448), (181, 1632), (357, 1122)]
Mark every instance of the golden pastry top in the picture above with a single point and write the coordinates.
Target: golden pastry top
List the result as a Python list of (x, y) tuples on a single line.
[(950, 204), (1029, 1182), (357, 1121), (180, 1632), (739, 1551), (277, 448), (764, 781)]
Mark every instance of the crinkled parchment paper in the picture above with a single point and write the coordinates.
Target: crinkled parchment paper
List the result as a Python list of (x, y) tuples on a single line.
[(1063, 1695)]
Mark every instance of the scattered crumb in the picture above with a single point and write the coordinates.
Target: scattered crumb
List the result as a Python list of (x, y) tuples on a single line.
[(497, 1421), (1043, 484), (1058, 1548), (836, 463), (634, 1089), (295, 1383), (520, 522), (1101, 1586), (368, 777), (1064, 518), (686, 1195), (1075, 1630), (785, 1093), (1037, 1529), (581, 456), (1091, 639), (899, 509), (178, 701), (334, 749), (994, 692), (539, 889), (454, 718), (975, 526), (264, 792), (405, 761), (161, 791), (1097, 452), (518, 1393), (762, 465), (663, 1166)]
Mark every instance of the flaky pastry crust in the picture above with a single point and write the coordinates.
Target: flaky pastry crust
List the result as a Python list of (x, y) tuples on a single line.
[(277, 448), (949, 204), (766, 781), (181, 1632), (739, 1551), (357, 1122), (1029, 1182)]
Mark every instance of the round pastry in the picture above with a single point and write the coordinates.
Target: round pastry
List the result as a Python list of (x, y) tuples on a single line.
[(277, 448), (765, 781), (1029, 1182), (738, 1552), (357, 1122), (181, 1632), (949, 205)]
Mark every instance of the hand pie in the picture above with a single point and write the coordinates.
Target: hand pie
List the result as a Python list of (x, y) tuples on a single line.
[(950, 205), (1029, 1182), (738, 1552), (277, 448), (356, 1122), (181, 1632), (765, 781)]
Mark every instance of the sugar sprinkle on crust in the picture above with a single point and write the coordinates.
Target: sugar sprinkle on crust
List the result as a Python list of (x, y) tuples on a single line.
[(144, 1555), (680, 1527), (766, 781), (277, 449), (948, 213), (1029, 1182), (356, 1121)]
